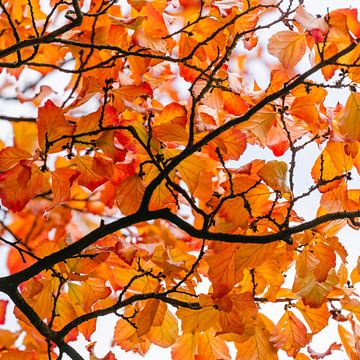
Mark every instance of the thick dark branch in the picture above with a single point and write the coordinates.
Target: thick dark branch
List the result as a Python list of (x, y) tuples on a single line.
[(43, 329), (73, 249), (78, 246)]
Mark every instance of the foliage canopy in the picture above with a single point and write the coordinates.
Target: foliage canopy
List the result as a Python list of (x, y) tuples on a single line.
[(129, 186)]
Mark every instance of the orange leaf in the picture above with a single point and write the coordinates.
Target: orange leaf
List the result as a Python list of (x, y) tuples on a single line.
[(332, 162), (172, 113), (8, 338), (18, 355), (52, 125), (258, 346), (129, 194), (211, 347), (274, 175), (62, 180), (88, 177), (222, 269), (317, 319), (11, 156), (197, 173), (289, 334), (348, 340), (184, 348), (232, 144), (3, 305), (352, 305), (349, 118), (125, 336), (288, 46), (166, 334), (197, 320), (147, 316), (313, 292), (19, 185)]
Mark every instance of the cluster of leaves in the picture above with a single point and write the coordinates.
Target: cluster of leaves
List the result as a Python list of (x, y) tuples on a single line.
[(121, 196)]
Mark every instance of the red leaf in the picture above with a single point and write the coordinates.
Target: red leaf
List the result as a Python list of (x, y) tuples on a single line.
[(3, 305)]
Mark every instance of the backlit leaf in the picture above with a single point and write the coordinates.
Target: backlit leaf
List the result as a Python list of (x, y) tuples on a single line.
[(3, 305), (288, 46), (129, 194), (349, 118), (289, 334), (52, 128)]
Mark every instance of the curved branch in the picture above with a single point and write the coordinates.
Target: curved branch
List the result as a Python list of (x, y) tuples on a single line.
[(165, 214), (130, 300), (40, 326)]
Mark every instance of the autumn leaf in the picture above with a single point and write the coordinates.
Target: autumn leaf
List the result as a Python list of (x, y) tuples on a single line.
[(274, 175), (222, 269), (211, 347), (147, 316), (289, 334), (184, 348), (312, 291), (166, 334), (52, 128), (348, 341), (20, 184), (352, 305), (197, 320), (316, 318), (62, 180), (288, 46), (258, 346), (349, 118), (8, 338), (148, 155), (87, 176), (3, 305), (329, 351), (129, 194), (11, 156)]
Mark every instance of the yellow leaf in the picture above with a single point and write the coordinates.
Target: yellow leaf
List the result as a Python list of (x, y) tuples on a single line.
[(288, 46)]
